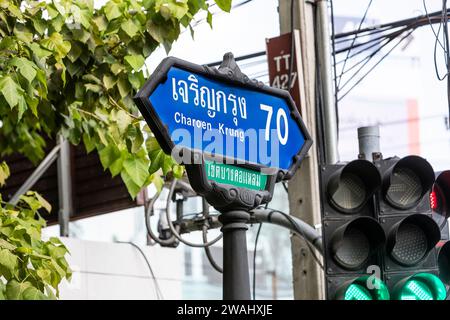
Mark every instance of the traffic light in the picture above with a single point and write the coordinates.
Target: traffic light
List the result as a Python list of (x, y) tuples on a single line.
[(352, 236), (409, 261), (444, 261), (379, 233), (440, 202)]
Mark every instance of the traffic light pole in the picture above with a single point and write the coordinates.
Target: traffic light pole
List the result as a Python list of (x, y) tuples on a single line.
[(236, 281), (304, 192)]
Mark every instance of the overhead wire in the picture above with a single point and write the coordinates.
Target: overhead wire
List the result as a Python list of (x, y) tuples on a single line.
[(157, 288), (333, 46), (353, 41), (373, 67), (379, 37)]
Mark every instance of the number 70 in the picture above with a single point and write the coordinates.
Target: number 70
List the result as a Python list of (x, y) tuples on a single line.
[(280, 114)]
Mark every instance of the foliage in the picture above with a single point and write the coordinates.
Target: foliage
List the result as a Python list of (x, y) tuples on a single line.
[(30, 268), (67, 67)]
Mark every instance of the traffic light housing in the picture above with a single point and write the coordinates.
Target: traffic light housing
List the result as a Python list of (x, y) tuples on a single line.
[(378, 216), (352, 236), (440, 202)]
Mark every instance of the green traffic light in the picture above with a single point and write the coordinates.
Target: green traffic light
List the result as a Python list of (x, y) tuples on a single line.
[(363, 288), (357, 292), (421, 286)]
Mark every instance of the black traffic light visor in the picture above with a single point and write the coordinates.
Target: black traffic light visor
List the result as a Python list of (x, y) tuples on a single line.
[(350, 187), (355, 242), (407, 181), (444, 262), (411, 239)]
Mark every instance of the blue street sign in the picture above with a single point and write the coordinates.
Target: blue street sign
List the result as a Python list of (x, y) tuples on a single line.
[(202, 109)]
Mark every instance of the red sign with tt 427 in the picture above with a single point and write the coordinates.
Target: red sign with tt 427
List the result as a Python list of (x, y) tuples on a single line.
[(279, 57)]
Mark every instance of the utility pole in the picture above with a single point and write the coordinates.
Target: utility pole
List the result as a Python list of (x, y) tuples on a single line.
[(304, 201)]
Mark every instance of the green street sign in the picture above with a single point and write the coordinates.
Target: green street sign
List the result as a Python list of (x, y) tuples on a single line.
[(235, 176)]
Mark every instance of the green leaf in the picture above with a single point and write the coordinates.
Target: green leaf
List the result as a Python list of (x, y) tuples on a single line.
[(30, 199), (137, 142), (137, 169), (152, 144), (39, 51), (9, 90), (130, 28), (31, 293), (124, 87), (157, 181), (89, 142), (172, 8), (178, 171), (225, 5), (6, 245), (44, 203), (112, 11), (101, 23), (75, 52), (15, 11), (108, 155), (133, 188), (23, 34), (2, 291), (136, 79), (4, 173), (8, 262), (15, 289), (135, 61), (123, 120), (116, 167), (157, 160), (44, 274), (108, 81), (196, 5), (21, 107), (93, 87), (209, 19), (26, 68)]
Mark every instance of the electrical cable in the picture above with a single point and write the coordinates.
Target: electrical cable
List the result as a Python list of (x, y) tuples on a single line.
[(284, 184), (373, 54), (254, 260), (295, 225), (291, 61), (158, 292), (208, 251), (447, 51), (313, 238), (333, 46), (148, 213), (205, 227), (172, 227), (403, 26), (376, 64), (254, 256), (353, 41)]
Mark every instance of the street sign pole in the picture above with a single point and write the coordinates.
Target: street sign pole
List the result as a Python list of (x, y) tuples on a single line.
[(236, 138), (236, 281)]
